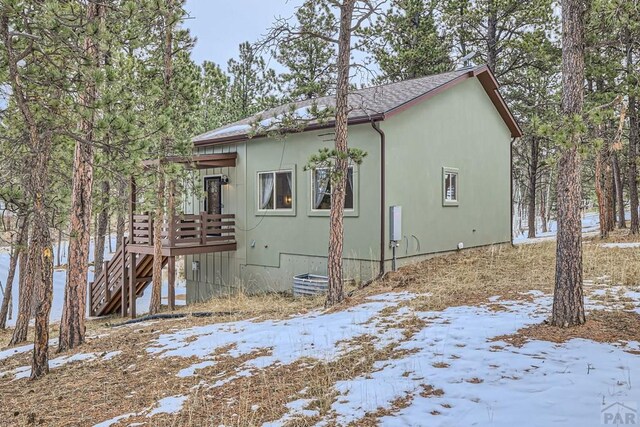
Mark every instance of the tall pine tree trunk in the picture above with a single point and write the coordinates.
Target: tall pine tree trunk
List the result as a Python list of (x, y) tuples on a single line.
[(120, 217), (543, 209), (609, 190), (619, 188), (41, 262), (601, 192), (17, 247), (101, 229), (156, 284), (335, 292), (568, 299), (167, 53), (634, 227), (533, 180), (72, 324), (492, 35)]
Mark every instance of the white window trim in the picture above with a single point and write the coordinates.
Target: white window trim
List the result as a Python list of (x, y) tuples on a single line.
[(293, 193), (450, 171), (312, 192)]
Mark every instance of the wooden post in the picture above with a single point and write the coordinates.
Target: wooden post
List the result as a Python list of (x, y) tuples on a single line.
[(132, 284), (107, 290), (123, 282), (171, 223), (203, 228), (90, 290), (150, 221), (172, 283), (132, 206)]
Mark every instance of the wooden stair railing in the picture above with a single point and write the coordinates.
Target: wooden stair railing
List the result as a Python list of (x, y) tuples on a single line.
[(106, 290)]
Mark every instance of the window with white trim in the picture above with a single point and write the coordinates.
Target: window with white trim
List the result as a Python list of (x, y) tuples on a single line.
[(321, 189), (450, 184), (275, 191)]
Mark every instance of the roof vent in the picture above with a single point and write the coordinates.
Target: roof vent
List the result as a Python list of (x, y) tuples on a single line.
[(466, 60)]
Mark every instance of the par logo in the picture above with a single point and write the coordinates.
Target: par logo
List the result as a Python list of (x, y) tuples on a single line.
[(620, 414)]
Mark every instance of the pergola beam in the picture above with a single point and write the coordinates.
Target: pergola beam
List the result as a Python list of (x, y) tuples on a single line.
[(200, 161)]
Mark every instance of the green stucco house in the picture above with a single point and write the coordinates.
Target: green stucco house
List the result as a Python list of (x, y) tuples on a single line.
[(438, 146)]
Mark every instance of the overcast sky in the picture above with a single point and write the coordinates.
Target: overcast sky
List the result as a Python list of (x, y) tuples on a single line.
[(221, 25)]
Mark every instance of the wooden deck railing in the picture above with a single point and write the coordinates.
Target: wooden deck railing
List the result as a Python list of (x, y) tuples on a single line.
[(186, 230), (110, 279)]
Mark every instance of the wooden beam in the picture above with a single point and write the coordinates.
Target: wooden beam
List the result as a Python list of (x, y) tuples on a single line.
[(202, 161), (172, 283)]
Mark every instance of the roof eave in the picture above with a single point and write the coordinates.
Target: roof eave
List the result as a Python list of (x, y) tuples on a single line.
[(317, 126), (491, 86)]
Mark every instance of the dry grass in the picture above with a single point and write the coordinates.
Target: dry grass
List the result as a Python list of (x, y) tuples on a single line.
[(86, 393), (601, 326), (470, 277)]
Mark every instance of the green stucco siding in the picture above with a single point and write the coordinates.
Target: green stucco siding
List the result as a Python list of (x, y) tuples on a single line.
[(459, 129), (273, 247)]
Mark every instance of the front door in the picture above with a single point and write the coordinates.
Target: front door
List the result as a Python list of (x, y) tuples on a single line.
[(213, 200)]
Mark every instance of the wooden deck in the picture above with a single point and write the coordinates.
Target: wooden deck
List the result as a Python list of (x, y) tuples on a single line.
[(118, 285), (186, 234)]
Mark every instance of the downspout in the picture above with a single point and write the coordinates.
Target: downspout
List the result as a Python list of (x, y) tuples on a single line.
[(513, 140), (376, 126)]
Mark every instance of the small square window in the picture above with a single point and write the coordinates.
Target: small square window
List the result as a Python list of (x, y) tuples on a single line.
[(450, 187)]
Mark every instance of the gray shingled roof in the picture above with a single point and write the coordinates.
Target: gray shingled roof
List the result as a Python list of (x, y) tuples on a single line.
[(363, 103)]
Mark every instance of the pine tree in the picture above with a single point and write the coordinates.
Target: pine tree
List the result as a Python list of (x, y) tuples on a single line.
[(213, 107), (252, 86), (568, 299), (310, 60), (497, 30), (72, 325), (406, 43)]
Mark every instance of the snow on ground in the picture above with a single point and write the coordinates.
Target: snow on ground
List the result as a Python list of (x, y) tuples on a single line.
[(479, 381), (25, 371), (590, 225), (167, 405), (628, 245), (60, 280), (317, 335)]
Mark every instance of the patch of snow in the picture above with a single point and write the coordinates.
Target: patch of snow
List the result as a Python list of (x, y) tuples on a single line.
[(111, 355), (25, 371), (115, 420), (168, 405), (486, 382), (590, 226), (316, 335), (621, 245), (311, 335), (191, 370), (10, 352), (230, 129), (296, 409)]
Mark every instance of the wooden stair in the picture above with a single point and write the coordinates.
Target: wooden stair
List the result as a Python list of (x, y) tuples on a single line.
[(106, 290)]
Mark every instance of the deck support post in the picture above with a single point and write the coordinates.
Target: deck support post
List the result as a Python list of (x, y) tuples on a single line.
[(132, 207), (90, 293), (172, 283), (203, 228), (123, 281), (132, 284)]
